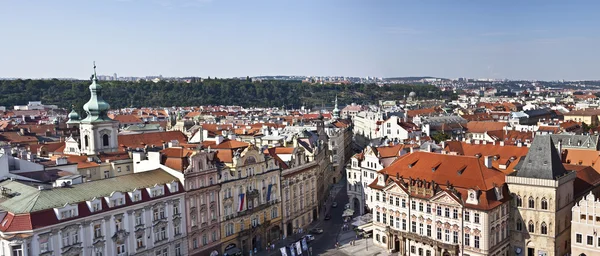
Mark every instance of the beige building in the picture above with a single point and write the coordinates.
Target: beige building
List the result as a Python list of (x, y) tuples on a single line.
[(585, 225), (250, 198), (543, 197), (299, 191), (588, 116)]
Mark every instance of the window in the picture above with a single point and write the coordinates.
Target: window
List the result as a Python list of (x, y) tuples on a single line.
[(519, 225), (476, 240), (420, 251), (118, 169), (531, 202), (429, 230), (397, 201), (403, 203), (476, 218), (105, 141), (106, 174), (519, 201), (378, 217), (439, 211), (544, 204), (455, 214), (530, 227), (420, 207), (139, 240), (439, 233), (97, 230), (544, 228), (17, 250), (578, 238), (467, 216), (99, 251), (467, 240), (428, 208), (403, 224), (178, 249), (377, 196), (590, 240), (384, 218), (138, 219), (195, 243), (413, 205), (420, 228), (447, 212), (120, 249), (44, 245), (455, 237), (447, 235), (175, 209), (413, 226), (177, 229)]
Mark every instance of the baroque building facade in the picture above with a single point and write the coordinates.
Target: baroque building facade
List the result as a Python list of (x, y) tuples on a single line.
[(424, 205), (250, 200)]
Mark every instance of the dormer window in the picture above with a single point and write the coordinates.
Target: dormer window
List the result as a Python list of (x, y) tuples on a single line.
[(498, 191), (174, 186), (67, 214)]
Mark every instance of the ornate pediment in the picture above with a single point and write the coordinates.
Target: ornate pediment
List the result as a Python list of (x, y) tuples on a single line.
[(70, 228), (394, 188), (120, 236), (73, 250), (444, 198)]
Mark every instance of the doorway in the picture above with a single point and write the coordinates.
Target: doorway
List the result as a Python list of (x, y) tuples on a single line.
[(530, 251)]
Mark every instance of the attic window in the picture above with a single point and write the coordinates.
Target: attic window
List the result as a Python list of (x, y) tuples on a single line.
[(545, 162), (461, 170), (412, 164), (436, 166)]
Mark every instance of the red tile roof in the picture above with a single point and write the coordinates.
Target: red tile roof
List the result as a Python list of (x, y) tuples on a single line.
[(151, 138)]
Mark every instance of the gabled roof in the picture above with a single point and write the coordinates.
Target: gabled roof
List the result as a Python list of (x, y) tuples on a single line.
[(151, 138), (483, 126), (542, 161)]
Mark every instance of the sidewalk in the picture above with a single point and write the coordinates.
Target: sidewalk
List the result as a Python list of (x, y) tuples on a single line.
[(290, 239)]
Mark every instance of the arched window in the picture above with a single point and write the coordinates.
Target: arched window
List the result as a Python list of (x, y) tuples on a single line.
[(377, 237), (86, 141), (383, 239), (544, 228), (519, 201), (544, 204), (531, 202), (105, 141), (531, 227), (519, 225)]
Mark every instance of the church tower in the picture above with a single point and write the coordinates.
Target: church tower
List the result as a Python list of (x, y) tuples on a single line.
[(98, 132), (336, 110)]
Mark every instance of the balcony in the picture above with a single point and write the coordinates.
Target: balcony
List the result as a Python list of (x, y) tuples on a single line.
[(252, 194)]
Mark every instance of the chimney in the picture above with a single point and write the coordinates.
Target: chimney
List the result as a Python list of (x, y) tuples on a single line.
[(411, 150), (502, 143), (520, 144), (443, 144), (488, 162), (429, 148)]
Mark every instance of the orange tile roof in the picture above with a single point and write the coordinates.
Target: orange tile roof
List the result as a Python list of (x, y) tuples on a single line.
[(176, 158), (231, 144), (15, 137), (390, 151), (150, 138), (482, 126), (423, 111), (280, 150), (128, 119), (462, 172), (508, 155)]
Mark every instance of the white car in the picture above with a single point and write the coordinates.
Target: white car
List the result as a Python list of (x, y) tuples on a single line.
[(309, 238)]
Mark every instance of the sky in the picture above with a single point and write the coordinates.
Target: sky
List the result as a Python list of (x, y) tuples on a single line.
[(544, 40)]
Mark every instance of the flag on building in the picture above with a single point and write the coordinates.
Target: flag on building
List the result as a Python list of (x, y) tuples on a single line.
[(283, 251), (241, 203), (298, 248), (269, 192)]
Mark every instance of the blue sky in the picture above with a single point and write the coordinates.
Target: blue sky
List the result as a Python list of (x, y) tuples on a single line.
[(224, 38)]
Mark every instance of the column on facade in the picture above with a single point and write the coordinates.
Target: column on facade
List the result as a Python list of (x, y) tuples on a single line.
[(107, 234), (129, 227)]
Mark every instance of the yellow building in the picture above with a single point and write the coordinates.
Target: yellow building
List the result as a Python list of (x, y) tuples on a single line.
[(250, 198), (587, 116)]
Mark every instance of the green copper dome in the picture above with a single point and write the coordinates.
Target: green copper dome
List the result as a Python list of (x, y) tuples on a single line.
[(73, 117), (96, 108)]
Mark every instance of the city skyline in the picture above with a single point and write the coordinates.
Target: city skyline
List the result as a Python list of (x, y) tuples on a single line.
[(534, 40)]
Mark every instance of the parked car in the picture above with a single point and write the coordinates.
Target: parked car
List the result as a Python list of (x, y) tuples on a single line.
[(327, 217), (309, 238), (334, 204), (316, 231)]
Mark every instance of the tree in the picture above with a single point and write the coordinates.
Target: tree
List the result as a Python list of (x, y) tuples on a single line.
[(440, 136)]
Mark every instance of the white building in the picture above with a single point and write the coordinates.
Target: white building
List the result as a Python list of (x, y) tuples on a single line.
[(425, 205), (132, 214), (585, 225)]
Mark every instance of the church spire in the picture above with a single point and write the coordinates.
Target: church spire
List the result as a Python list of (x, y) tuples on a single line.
[(336, 110), (96, 108)]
